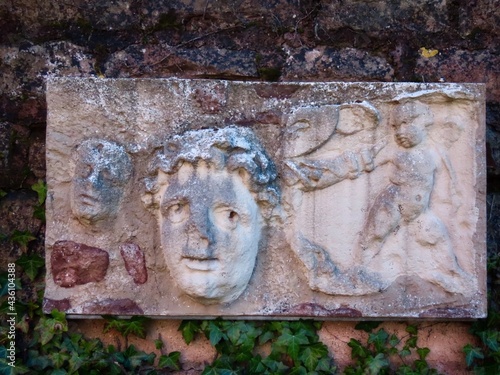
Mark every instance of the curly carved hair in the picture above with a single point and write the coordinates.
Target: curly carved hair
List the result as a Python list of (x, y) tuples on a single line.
[(234, 148)]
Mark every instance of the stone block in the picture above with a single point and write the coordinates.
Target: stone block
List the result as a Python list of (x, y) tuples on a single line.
[(201, 198), (76, 264), (346, 64)]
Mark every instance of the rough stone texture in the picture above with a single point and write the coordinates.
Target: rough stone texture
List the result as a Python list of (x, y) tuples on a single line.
[(273, 30), (17, 210), (121, 307), (346, 64), (449, 65), (135, 262), (374, 191), (74, 264)]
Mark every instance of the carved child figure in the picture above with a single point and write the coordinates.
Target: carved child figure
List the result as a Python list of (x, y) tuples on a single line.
[(404, 204), (211, 189)]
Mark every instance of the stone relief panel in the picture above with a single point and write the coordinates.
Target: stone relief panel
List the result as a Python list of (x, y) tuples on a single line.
[(198, 198)]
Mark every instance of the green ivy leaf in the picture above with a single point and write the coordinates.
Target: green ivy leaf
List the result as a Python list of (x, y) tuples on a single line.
[(136, 360), (48, 327), (405, 352), (158, 344), (234, 333), (405, 370), (91, 345), (277, 326), (170, 361), (215, 334), (379, 339), (412, 330), (307, 326), (41, 189), (394, 340), (292, 342), (3, 193), (358, 351), (71, 342), (423, 352), (392, 351), (188, 329), (309, 359), (421, 366), (472, 353), (273, 365), (256, 366), (411, 342), (132, 358), (243, 356), (490, 339), (135, 325), (58, 315), (58, 358), (367, 326), (225, 361), (325, 364), (31, 264), (209, 371), (265, 337), (376, 364), (248, 335), (39, 213), (311, 355), (75, 362), (36, 361), (22, 238), (299, 370)]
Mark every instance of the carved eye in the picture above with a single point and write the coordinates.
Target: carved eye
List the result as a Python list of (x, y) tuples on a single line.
[(84, 171), (106, 174), (177, 212), (226, 217)]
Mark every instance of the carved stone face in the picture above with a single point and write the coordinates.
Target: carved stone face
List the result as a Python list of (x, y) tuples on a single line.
[(408, 135), (102, 170), (210, 231), (409, 124)]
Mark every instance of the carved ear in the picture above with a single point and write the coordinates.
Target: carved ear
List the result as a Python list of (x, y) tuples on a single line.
[(309, 128)]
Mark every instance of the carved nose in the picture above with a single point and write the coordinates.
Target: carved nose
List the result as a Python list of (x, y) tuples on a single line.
[(200, 237), (93, 181), (199, 222)]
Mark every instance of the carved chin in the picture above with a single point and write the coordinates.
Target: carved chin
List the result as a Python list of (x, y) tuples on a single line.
[(205, 299), (210, 290), (90, 215)]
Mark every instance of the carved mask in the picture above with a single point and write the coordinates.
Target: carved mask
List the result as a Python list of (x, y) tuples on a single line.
[(102, 170), (210, 231)]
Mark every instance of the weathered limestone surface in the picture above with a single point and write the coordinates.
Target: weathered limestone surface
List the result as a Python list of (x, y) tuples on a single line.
[(210, 198)]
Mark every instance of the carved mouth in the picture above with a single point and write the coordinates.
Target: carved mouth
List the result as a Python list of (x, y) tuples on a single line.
[(403, 141), (200, 264), (88, 200)]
